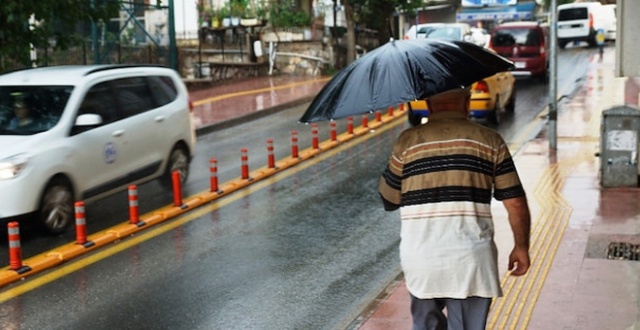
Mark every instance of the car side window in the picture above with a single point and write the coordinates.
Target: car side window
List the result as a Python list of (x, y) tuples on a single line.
[(134, 96), (99, 100), (163, 90)]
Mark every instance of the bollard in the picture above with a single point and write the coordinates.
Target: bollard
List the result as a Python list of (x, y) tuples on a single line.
[(350, 125), (15, 251), (245, 166), (365, 121), (314, 136), (177, 189), (334, 133), (213, 169), (271, 160), (401, 106), (134, 214), (294, 144), (378, 116), (390, 111), (81, 223)]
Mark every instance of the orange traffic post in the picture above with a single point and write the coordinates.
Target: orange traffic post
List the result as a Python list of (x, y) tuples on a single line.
[(271, 159), (350, 125), (244, 158), (81, 223), (134, 213), (314, 136), (177, 189), (401, 106), (365, 121), (213, 170), (15, 251), (390, 111), (378, 116), (334, 133), (294, 144)]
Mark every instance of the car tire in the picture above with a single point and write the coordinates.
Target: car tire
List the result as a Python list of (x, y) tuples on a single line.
[(562, 44), (495, 116), (178, 161), (56, 212), (511, 105)]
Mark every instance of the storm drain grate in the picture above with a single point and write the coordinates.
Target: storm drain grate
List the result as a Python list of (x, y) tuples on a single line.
[(623, 251)]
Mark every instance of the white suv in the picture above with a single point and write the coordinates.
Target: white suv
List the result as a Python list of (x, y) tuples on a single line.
[(82, 132)]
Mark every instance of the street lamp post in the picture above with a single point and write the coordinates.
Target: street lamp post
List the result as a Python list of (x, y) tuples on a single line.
[(553, 72)]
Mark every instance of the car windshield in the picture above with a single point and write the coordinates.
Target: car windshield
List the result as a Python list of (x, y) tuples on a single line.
[(572, 14), (511, 37), (26, 110), (445, 32)]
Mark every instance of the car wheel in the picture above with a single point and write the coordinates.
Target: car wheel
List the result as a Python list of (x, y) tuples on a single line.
[(511, 105), (178, 161), (495, 116), (562, 44), (56, 212)]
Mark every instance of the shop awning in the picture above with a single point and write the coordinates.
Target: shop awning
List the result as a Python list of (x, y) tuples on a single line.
[(521, 11)]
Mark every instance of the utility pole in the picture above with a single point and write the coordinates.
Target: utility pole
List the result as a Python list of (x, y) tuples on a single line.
[(173, 53), (553, 78)]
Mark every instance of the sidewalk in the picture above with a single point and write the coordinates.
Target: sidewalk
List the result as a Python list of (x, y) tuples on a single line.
[(572, 284), (227, 105)]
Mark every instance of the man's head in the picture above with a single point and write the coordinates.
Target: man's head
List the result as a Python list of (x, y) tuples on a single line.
[(20, 109), (451, 100)]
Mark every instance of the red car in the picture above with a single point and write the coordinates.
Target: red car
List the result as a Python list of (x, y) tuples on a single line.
[(526, 44)]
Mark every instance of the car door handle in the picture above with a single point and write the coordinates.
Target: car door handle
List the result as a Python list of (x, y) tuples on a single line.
[(119, 132), (159, 118)]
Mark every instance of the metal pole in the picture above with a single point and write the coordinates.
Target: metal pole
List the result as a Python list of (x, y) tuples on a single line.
[(173, 56), (553, 82), (94, 40)]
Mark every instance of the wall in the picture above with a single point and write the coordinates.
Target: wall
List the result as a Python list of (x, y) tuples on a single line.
[(293, 58), (627, 46)]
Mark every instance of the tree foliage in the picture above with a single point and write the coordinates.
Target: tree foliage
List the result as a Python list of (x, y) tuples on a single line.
[(46, 24), (375, 14)]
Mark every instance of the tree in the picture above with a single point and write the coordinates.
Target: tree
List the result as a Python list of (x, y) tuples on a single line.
[(46, 24), (379, 15)]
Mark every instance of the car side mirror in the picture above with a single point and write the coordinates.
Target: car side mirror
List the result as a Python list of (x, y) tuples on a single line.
[(88, 119)]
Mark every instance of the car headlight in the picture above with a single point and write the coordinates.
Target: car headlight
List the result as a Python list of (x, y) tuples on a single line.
[(12, 166)]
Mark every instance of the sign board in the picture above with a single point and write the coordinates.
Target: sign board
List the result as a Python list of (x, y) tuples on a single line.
[(488, 3)]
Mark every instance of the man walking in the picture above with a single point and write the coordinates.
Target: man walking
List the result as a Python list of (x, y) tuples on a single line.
[(442, 176)]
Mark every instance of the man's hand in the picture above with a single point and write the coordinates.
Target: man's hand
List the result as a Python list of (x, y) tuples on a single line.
[(519, 261)]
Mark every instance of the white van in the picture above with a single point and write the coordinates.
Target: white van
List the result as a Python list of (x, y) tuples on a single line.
[(610, 18), (579, 22), (73, 133)]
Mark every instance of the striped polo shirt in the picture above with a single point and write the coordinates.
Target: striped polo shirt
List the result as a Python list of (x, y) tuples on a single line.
[(443, 175)]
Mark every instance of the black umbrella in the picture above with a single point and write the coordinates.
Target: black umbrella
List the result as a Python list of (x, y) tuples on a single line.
[(402, 71)]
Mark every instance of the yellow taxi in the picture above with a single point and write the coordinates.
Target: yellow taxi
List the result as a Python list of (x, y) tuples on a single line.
[(491, 98)]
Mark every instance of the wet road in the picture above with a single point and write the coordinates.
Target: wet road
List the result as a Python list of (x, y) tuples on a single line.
[(306, 249)]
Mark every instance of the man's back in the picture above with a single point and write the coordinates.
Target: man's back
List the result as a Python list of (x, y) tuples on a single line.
[(444, 173)]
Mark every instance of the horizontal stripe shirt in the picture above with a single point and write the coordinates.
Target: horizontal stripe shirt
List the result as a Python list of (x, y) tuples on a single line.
[(442, 175)]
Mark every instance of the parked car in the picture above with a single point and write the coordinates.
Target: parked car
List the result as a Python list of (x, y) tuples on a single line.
[(454, 31), (490, 99), (94, 130), (526, 44), (579, 22)]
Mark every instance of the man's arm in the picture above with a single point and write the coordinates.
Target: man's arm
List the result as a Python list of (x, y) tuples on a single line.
[(520, 221)]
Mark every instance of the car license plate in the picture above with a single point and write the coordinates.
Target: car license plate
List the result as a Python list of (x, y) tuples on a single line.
[(520, 65)]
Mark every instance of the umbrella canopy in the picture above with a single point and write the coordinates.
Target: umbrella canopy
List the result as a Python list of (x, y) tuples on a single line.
[(401, 71)]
